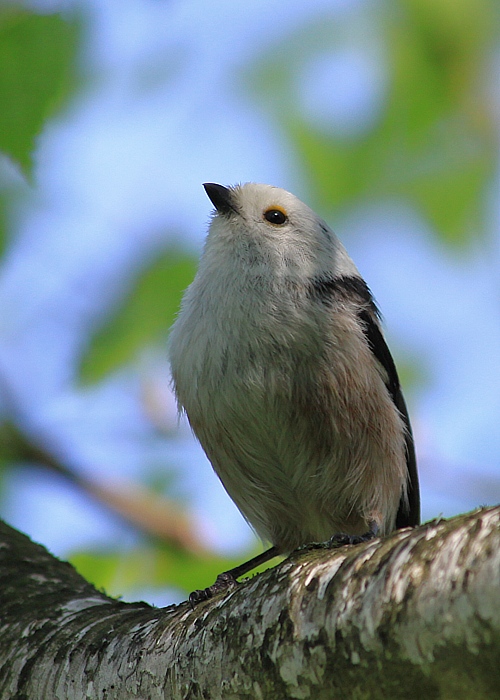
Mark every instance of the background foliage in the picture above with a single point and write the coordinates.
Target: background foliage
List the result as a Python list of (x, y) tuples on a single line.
[(420, 134)]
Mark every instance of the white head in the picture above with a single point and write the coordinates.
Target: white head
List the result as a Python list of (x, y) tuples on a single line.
[(260, 219)]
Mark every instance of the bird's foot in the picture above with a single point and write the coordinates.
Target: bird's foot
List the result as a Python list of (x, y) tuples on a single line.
[(223, 582), (341, 539)]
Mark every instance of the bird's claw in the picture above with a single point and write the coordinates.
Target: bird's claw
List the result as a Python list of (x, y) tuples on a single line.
[(343, 538), (339, 540), (223, 582)]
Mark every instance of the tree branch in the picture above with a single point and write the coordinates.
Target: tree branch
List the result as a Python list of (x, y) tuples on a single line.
[(153, 515), (415, 615)]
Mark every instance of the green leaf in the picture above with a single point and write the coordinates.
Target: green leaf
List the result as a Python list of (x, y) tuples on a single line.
[(144, 317), (37, 72), (433, 143), (3, 223), (152, 566)]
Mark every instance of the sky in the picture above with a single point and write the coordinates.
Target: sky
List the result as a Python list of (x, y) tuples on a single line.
[(119, 174)]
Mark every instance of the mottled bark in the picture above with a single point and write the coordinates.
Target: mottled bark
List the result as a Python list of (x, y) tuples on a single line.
[(416, 615)]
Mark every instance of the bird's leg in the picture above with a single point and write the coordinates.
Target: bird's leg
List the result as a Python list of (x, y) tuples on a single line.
[(228, 580)]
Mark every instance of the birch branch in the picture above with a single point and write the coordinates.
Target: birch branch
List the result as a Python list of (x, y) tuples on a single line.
[(416, 615)]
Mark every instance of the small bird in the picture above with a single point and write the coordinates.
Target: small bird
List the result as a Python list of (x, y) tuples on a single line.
[(280, 363)]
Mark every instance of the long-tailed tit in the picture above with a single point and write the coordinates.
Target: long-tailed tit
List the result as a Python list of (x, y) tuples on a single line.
[(279, 361)]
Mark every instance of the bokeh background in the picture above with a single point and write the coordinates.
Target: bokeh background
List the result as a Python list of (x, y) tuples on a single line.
[(383, 116)]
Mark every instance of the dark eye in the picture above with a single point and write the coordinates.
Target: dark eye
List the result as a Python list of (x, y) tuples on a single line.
[(275, 216)]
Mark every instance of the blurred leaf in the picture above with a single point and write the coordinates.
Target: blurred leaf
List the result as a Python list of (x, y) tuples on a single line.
[(3, 223), (144, 317), (37, 59), (150, 566), (11, 451), (434, 141)]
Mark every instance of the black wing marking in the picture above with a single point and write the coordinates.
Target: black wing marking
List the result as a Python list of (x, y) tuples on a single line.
[(325, 288), (408, 512)]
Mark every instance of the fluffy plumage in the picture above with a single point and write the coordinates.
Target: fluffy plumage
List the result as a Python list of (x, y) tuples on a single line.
[(279, 361)]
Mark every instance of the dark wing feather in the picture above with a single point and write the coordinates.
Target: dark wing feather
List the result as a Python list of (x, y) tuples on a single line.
[(408, 513), (349, 287)]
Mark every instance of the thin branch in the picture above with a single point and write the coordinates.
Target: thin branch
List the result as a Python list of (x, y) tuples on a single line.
[(154, 515)]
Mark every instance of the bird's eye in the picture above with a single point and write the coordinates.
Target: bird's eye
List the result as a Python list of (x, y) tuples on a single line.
[(275, 216)]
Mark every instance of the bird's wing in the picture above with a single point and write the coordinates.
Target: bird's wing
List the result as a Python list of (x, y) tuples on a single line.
[(355, 288), (409, 510)]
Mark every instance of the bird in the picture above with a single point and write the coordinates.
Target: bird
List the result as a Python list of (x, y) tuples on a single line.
[(279, 361)]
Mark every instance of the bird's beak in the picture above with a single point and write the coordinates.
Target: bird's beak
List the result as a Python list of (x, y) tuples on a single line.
[(221, 197)]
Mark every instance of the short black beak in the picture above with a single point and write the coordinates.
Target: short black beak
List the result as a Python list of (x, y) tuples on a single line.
[(221, 197)]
